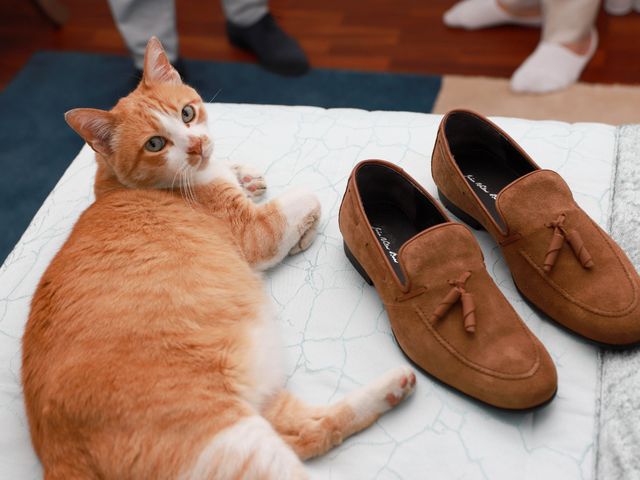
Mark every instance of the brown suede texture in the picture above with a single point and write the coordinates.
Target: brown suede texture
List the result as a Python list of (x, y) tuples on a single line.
[(600, 303), (502, 363)]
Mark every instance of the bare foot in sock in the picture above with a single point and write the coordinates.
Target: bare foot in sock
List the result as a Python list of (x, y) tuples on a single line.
[(553, 66), (476, 14)]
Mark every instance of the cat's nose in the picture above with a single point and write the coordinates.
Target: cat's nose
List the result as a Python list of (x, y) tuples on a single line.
[(195, 146)]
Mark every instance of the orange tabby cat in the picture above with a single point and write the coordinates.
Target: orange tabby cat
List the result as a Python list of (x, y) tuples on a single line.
[(151, 350)]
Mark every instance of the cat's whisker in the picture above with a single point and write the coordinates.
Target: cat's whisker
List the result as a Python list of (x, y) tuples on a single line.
[(183, 194), (185, 183), (173, 182), (187, 187), (175, 176), (187, 177), (191, 186), (188, 195), (214, 97)]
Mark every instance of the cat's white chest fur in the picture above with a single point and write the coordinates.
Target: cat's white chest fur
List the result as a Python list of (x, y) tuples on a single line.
[(266, 360)]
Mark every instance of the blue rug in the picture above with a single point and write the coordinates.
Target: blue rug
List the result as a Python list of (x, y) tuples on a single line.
[(36, 145)]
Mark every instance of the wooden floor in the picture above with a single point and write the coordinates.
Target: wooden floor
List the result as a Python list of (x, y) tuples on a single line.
[(381, 35)]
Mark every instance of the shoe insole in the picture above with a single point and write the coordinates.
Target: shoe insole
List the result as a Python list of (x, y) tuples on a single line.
[(487, 178), (392, 227)]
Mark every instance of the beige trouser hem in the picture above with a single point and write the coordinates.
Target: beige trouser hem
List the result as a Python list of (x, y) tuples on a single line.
[(564, 21)]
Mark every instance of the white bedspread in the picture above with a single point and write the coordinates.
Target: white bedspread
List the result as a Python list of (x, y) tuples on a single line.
[(335, 330)]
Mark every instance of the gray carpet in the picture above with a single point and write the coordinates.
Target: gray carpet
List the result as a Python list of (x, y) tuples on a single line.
[(618, 454)]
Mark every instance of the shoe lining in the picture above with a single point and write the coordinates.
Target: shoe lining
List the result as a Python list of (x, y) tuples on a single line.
[(488, 161), (397, 211)]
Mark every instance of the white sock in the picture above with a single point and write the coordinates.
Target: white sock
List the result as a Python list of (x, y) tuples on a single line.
[(618, 7), (551, 67), (475, 14)]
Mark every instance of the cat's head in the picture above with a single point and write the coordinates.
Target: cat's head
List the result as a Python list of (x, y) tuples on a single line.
[(156, 136)]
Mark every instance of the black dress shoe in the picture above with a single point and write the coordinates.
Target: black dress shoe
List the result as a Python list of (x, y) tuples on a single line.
[(276, 51)]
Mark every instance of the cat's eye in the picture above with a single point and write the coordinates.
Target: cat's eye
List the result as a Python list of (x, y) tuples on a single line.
[(188, 113), (155, 144)]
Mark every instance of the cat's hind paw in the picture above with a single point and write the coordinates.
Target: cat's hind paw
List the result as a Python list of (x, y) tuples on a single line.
[(381, 395), (398, 384)]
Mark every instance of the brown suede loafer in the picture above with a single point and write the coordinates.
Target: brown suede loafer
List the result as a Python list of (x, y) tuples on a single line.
[(446, 313), (560, 260)]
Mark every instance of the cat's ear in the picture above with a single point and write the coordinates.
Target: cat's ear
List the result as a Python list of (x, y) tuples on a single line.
[(157, 68), (95, 126)]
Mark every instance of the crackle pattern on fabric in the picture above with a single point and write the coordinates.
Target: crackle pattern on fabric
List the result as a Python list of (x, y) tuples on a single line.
[(619, 435), (335, 330)]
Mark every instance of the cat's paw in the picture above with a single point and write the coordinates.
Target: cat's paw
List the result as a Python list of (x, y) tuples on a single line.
[(384, 393), (310, 231), (398, 384), (252, 182), (391, 388), (301, 210), (308, 227)]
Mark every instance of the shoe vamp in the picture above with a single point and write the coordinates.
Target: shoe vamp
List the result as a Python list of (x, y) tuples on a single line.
[(501, 342), (440, 253), (607, 286), (434, 259)]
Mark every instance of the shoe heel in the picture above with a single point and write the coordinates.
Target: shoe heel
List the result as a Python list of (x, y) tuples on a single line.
[(356, 265), (465, 217)]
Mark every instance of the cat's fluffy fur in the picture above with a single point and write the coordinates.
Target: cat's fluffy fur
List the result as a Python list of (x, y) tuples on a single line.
[(151, 350)]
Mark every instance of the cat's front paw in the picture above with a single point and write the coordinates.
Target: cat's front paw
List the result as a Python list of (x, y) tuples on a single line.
[(310, 231), (308, 227), (302, 212), (252, 182)]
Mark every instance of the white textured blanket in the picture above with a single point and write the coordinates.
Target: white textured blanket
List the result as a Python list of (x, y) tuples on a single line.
[(334, 327)]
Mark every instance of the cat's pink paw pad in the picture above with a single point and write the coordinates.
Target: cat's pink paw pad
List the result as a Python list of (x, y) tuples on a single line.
[(251, 182), (392, 399), (402, 383)]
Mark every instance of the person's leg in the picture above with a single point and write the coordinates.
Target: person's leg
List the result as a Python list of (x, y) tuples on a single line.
[(139, 20), (477, 14), (618, 7), (244, 13), (251, 27), (568, 22), (569, 40)]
